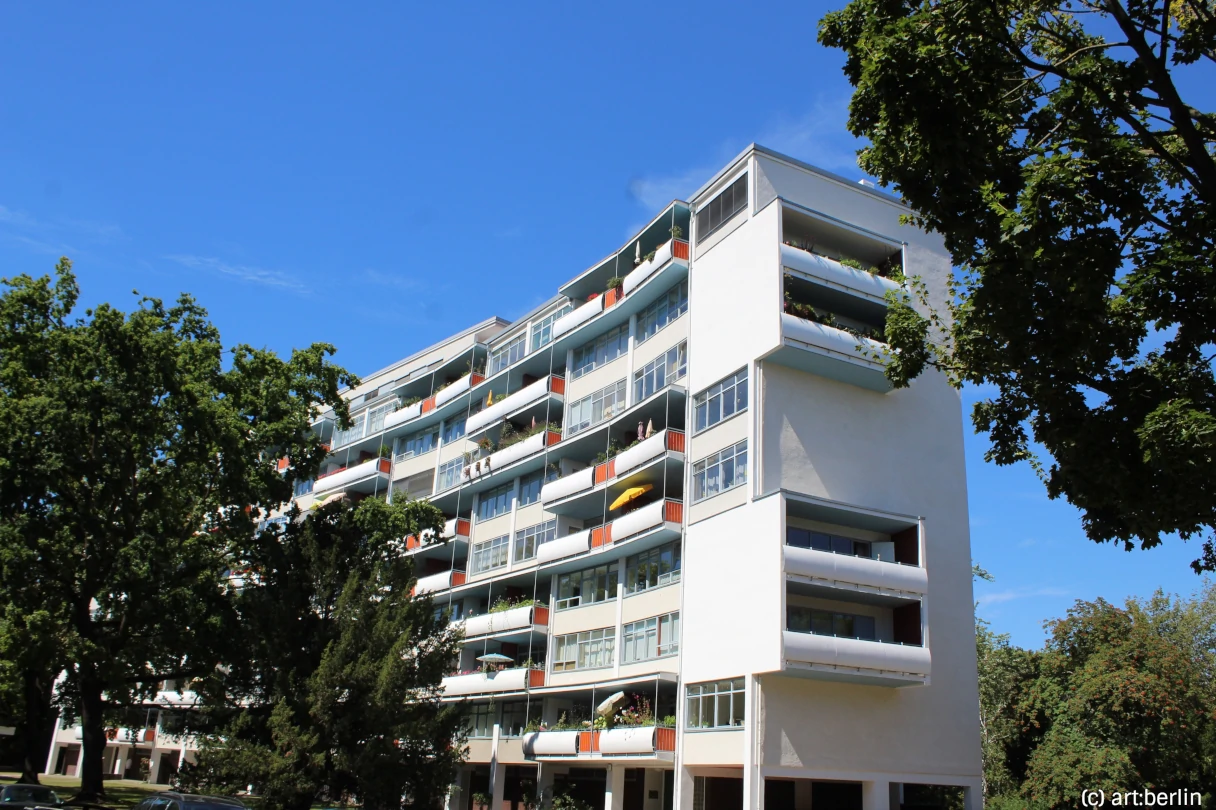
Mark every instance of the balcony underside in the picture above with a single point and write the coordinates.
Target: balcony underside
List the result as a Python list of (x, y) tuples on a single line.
[(827, 352), (823, 672)]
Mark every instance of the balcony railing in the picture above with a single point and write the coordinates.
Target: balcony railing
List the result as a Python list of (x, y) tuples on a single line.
[(899, 662), (831, 352), (506, 620), (518, 679), (674, 249), (834, 274), (568, 546), (520, 399), (439, 582), (455, 527), (623, 741), (374, 472), (830, 567), (624, 462), (652, 516), (509, 455)]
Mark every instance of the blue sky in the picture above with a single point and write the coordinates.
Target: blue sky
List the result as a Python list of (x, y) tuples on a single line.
[(379, 178)]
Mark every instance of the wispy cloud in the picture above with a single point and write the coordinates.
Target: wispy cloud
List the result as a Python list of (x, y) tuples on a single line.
[(242, 272), (655, 192), (383, 279), (818, 136), (1011, 594)]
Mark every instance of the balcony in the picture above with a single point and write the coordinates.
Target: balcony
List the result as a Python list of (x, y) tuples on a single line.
[(450, 392), (663, 518), (439, 582), (562, 547), (855, 660), (373, 475), (580, 494), (519, 679), (550, 388), (457, 529), (403, 415), (833, 274), (673, 252), (504, 458), (626, 742), (528, 618), (577, 317), (831, 352), (878, 577)]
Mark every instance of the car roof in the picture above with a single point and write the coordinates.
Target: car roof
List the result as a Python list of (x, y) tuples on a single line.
[(196, 797)]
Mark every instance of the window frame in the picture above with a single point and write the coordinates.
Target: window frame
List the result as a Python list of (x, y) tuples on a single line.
[(529, 536), (575, 651), (507, 350), (703, 402), (653, 559), (737, 192), (665, 310), (545, 327), (657, 636), (496, 549), (455, 466), (503, 498), (598, 351), (733, 689), (713, 465), (605, 581), (674, 366), (619, 391)]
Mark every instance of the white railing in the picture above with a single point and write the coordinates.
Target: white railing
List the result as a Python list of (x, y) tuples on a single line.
[(350, 475), (578, 317), (855, 570), (835, 273), (641, 452), (568, 485), (571, 544), (836, 651), (504, 680), (499, 410)]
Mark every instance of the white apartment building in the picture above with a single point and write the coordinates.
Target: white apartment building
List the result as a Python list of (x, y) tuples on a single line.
[(683, 490)]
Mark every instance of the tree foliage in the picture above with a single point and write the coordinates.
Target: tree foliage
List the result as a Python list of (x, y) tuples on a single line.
[(136, 456), (1051, 145), (332, 689)]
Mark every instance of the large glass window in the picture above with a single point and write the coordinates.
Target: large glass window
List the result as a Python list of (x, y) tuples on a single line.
[(508, 354), (453, 429), (661, 372), (670, 306), (592, 648), (591, 410), (830, 623), (542, 330), (652, 568), (495, 502), (353, 433), (418, 444), (650, 638), (528, 540), (822, 541), (375, 416), (719, 472), (303, 487), (588, 586), (530, 485), (480, 721), (600, 352), (721, 400), (516, 715), (720, 209), (490, 554), (449, 474), (717, 704)]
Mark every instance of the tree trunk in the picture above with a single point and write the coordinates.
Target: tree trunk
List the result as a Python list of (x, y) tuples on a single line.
[(36, 731), (92, 739)]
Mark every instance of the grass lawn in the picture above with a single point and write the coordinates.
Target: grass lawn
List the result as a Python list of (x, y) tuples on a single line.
[(120, 793)]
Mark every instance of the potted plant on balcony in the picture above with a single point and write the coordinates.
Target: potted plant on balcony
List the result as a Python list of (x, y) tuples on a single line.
[(676, 231), (386, 451), (612, 290)]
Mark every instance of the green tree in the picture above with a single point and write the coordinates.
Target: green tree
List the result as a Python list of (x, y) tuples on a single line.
[(1050, 144), (1116, 705), (1004, 673), (135, 457), (335, 692)]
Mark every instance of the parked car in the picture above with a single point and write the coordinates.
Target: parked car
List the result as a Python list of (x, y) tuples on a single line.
[(29, 796), (172, 800)]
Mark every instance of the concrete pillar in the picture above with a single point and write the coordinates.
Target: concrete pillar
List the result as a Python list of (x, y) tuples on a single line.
[(458, 793), (614, 795), (973, 798), (498, 772), (753, 782), (544, 784), (53, 756), (875, 796), (685, 789)]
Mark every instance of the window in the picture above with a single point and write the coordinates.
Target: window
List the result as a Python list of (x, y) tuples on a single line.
[(821, 541), (593, 409), (528, 540), (490, 554), (418, 444), (375, 416), (303, 487), (530, 485), (715, 705), (670, 306), (449, 474), (587, 587), (592, 648), (719, 472), (650, 569), (453, 429), (830, 623), (716, 212), (495, 502), (650, 638), (661, 372), (721, 400), (515, 716), (352, 433), (508, 354), (600, 352), (542, 330), (480, 722)]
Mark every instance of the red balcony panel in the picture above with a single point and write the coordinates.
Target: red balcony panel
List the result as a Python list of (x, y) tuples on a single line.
[(679, 249), (536, 678), (665, 739), (458, 578), (601, 536), (412, 542), (385, 465), (588, 741), (673, 512), (675, 441), (475, 379), (557, 385), (552, 437), (612, 297), (605, 471), (428, 404), (540, 615), (282, 463), (463, 527)]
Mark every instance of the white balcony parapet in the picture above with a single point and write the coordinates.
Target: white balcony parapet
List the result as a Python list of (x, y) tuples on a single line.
[(571, 544), (836, 274), (551, 743), (648, 517), (641, 452), (351, 475), (504, 680), (503, 458), (834, 651), (498, 411), (403, 415), (567, 485), (835, 341), (439, 582), (452, 391), (856, 570), (639, 740), (644, 270), (501, 622), (578, 317)]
